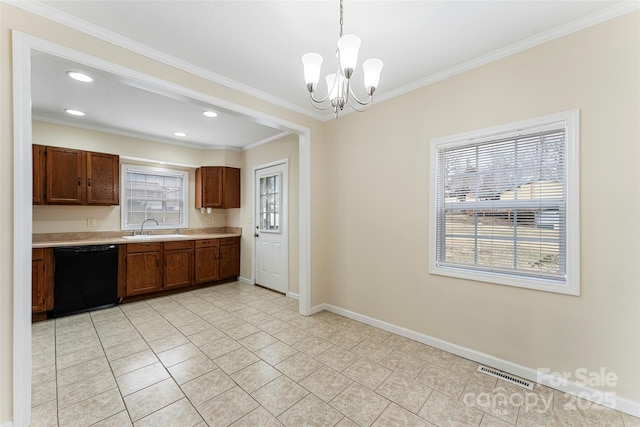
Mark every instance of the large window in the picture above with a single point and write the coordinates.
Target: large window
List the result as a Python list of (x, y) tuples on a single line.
[(154, 193), (505, 206)]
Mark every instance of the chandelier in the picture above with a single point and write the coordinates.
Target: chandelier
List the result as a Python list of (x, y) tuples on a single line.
[(339, 90)]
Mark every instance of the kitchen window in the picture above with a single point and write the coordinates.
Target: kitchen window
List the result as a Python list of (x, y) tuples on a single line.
[(504, 204), (154, 193)]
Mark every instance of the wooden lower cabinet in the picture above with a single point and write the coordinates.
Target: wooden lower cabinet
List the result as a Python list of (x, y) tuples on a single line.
[(178, 264), (41, 280), (229, 257), (156, 266), (207, 268), (143, 268)]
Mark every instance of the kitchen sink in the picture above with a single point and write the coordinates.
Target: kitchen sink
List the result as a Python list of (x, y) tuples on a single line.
[(154, 236)]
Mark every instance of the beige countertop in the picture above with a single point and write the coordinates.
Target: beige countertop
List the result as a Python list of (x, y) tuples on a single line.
[(118, 238)]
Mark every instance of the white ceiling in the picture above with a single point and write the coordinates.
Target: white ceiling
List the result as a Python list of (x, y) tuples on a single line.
[(125, 106), (255, 46)]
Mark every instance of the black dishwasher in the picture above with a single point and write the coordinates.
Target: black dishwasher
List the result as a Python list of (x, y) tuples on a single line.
[(86, 278)]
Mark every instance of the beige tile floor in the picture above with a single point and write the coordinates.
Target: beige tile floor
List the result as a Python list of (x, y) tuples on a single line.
[(240, 355)]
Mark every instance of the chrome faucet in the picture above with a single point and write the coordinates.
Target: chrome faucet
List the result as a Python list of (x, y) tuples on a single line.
[(143, 222)]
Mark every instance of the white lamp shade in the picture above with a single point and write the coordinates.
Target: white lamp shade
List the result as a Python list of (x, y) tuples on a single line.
[(372, 69), (312, 62), (334, 87), (348, 47)]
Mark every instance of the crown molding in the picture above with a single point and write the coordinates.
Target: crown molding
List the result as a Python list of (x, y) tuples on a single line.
[(555, 33), (136, 135), (265, 141), (38, 8), (50, 13)]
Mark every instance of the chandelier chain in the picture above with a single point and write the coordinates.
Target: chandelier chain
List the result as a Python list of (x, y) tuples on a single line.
[(341, 22)]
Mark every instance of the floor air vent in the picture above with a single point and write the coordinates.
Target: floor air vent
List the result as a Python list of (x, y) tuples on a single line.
[(506, 377)]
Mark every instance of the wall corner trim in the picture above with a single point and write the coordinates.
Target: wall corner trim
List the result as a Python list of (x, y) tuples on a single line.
[(588, 393), (245, 280)]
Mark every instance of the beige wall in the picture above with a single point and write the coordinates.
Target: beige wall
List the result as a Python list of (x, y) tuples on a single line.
[(369, 199), (380, 217), (12, 18), (284, 148), (52, 219)]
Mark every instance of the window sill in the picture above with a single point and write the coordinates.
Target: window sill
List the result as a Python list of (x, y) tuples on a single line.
[(561, 287)]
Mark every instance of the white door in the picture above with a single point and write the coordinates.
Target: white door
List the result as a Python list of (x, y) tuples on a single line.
[(272, 255)]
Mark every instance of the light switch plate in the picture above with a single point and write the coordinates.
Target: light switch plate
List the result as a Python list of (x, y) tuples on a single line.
[(91, 222)]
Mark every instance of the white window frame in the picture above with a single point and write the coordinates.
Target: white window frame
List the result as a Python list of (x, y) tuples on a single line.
[(124, 168), (571, 282)]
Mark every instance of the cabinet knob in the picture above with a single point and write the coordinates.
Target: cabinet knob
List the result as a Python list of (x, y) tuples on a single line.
[(89, 182)]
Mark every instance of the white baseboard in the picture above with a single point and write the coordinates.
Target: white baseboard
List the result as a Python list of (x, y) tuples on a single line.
[(245, 280), (597, 396), (293, 295), (7, 424), (319, 308)]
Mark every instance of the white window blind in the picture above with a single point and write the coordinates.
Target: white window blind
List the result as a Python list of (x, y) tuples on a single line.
[(151, 193), (501, 204)]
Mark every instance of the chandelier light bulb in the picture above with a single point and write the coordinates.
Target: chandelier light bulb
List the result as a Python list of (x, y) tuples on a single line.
[(334, 86), (348, 47), (372, 69), (312, 62)]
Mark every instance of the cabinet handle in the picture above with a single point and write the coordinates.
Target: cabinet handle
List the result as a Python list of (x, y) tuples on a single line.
[(157, 263), (79, 181), (89, 182)]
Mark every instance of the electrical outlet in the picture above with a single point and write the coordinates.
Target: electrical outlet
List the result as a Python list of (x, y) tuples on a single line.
[(91, 222)]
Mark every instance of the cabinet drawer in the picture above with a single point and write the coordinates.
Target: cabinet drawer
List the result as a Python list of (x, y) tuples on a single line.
[(207, 243), (230, 241), (183, 244), (144, 247)]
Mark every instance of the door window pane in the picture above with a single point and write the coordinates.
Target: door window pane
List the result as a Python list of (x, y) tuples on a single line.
[(270, 187)]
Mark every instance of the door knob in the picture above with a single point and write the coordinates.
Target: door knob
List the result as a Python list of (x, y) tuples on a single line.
[(257, 235)]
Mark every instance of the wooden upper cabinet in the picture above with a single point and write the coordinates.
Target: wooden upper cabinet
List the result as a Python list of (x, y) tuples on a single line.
[(75, 177), (38, 174), (217, 187), (231, 188), (65, 176), (103, 180)]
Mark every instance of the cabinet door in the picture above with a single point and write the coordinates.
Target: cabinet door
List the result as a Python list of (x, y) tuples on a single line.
[(144, 273), (38, 174), (206, 264), (209, 187), (37, 285), (41, 280), (231, 188), (65, 176), (178, 268), (103, 179), (229, 261)]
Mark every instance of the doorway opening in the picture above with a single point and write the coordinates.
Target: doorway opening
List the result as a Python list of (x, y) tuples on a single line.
[(23, 47)]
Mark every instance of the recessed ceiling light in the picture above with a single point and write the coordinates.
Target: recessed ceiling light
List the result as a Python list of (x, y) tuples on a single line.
[(210, 114), (74, 112), (79, 76), (180, 134)]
